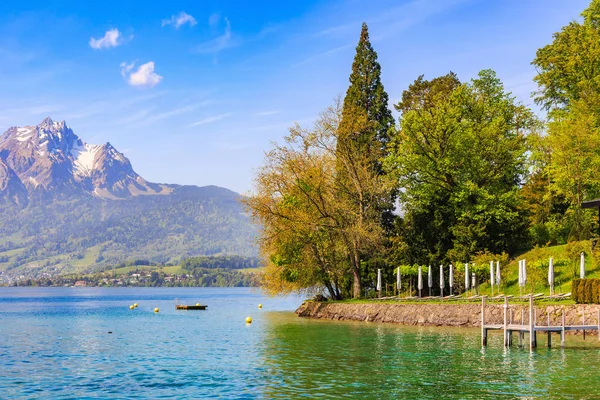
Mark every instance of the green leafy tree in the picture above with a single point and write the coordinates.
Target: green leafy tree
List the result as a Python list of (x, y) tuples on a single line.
[(569, 67), (569, 87), (460, 157), (573, 169), (312, 236)]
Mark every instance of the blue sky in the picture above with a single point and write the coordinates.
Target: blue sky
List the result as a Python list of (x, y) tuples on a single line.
[(193, 92)]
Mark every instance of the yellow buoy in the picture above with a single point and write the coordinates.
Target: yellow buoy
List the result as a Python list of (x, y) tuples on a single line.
[(248, 320), (260, 306), (135, 305), (156, 310), (131, 307), (197, 304)]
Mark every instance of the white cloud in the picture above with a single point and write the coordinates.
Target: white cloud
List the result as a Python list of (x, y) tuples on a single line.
[(210, 119), (179, 20), (112, 38), (219, 43), (125, 68), (143, 77)]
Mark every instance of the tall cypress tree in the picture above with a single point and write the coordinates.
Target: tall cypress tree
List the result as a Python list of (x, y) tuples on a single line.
[(363, 136), (367, 95)]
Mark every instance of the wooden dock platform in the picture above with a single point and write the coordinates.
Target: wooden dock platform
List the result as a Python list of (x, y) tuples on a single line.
[(184, 307), (532, 328)]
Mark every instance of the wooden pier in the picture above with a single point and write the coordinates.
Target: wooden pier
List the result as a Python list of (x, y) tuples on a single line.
[(531, 328), (184, 307)]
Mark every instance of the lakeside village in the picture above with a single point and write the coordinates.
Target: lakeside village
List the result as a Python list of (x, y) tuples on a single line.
[(201, 271), (141, 278)]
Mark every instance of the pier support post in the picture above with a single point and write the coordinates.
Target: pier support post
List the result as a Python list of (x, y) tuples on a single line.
[(562, 332), (483, 330), (521, 334), (532, 336), (549, 332), (505, 321)]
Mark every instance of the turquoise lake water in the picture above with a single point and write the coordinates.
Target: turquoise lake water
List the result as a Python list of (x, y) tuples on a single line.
[(54, 343)]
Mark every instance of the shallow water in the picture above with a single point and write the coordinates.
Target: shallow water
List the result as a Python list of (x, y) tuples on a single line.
[(55, 344)]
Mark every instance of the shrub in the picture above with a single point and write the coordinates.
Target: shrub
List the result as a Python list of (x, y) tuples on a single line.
[(539, 234), (586, 291), (575, 290)]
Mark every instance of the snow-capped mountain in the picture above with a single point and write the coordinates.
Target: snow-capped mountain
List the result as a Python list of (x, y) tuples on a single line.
[(66, 206), (50, 158)]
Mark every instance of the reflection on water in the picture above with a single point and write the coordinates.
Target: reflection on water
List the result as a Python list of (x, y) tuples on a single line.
[(55, 344), (358, 360)]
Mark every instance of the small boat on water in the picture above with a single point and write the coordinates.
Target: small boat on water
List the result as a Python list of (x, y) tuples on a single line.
[(184, 307)]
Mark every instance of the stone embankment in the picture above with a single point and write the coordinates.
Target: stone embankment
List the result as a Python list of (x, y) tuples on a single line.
[(466, 315)]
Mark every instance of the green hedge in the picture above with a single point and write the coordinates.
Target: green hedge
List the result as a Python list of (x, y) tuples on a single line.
[(586, 291)]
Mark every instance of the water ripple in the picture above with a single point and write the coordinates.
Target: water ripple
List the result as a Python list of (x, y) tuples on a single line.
[(55, 344)]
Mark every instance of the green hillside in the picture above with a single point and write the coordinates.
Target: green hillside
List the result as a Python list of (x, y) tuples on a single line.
[(566, 267), (86, 234)]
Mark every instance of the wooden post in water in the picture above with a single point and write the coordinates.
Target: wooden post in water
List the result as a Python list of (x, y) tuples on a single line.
[(549, 333), (510, 321), (562, 332), (532, 343), (483, 330), (598, 324), (505, 321), (534, 323)]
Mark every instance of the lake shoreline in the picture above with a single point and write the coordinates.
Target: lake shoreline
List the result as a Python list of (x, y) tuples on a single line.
[(455, 315)]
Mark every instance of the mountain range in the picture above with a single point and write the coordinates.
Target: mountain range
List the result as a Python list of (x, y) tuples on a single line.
[(66, 205)]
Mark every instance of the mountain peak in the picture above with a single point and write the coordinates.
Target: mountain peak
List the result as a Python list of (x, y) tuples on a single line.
[(47, 121), (52, 157)]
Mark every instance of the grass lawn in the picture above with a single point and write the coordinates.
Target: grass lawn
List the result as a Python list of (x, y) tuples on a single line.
[(175, 269), (90, 258), (565, 270), (455, 301)]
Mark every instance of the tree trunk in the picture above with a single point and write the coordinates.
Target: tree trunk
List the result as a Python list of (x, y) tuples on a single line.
[(356, 272), (329, 287)]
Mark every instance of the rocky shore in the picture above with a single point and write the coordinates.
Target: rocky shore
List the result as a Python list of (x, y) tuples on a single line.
[(461, 315)]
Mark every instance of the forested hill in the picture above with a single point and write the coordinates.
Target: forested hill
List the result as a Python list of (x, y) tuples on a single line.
[(86, 233), (67, 206)]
